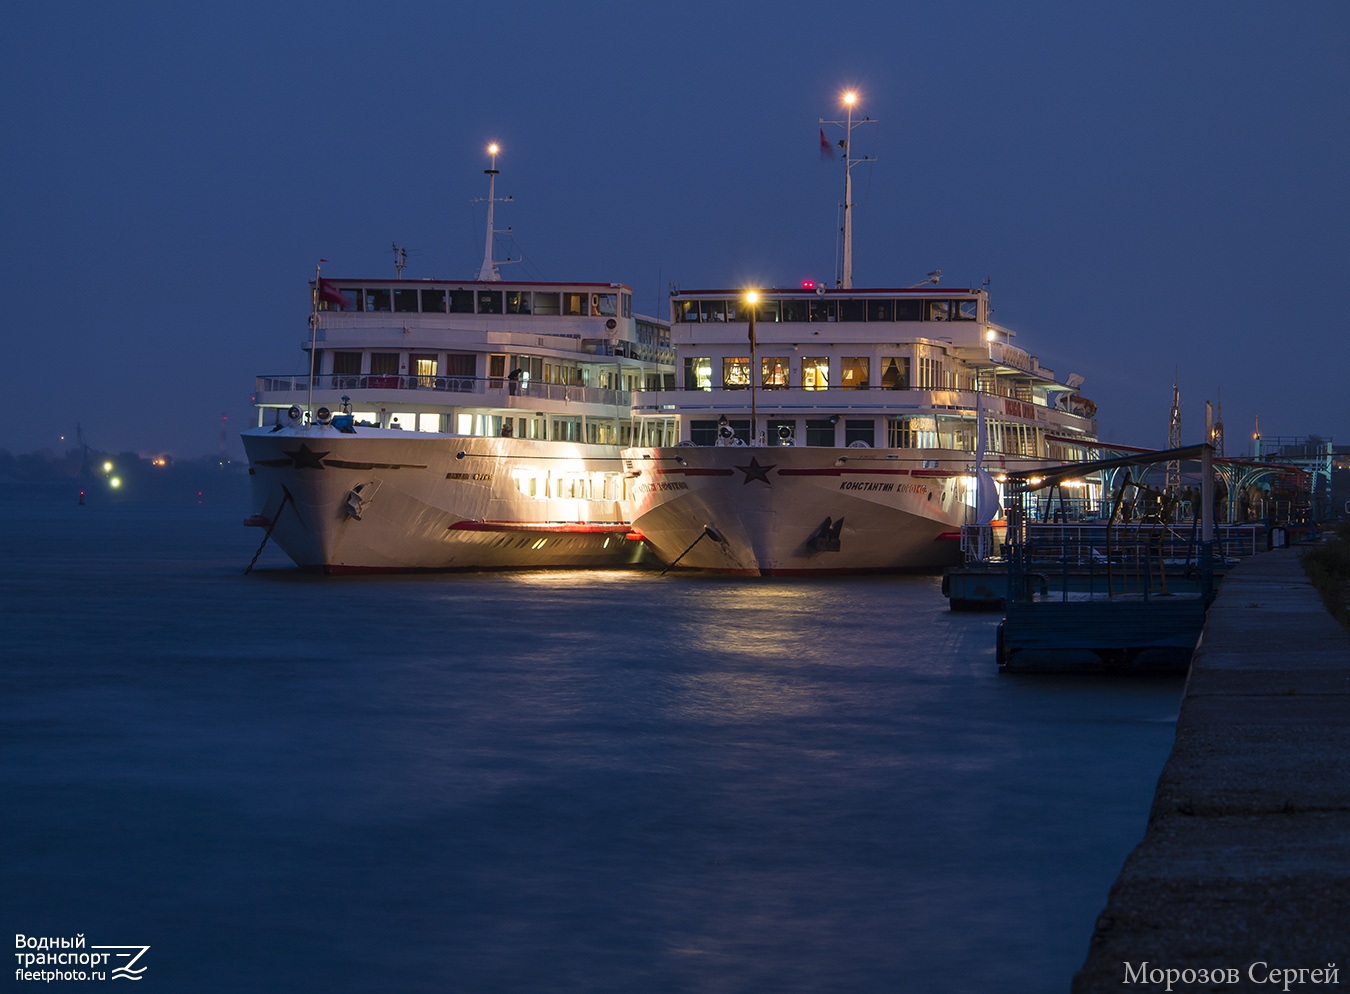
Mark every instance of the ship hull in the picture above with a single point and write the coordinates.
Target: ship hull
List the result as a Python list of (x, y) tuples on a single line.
[(393, 501), (782, 511)]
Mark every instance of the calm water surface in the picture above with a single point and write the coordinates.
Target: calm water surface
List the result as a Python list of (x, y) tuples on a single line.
[(539, 782)]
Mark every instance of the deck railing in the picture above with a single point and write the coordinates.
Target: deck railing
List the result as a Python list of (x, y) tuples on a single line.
[(499, 388), (1087, 544)]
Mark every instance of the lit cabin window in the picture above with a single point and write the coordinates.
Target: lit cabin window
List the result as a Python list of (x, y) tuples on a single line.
[(895, 372), (773, 372), (853, 372), (736, 372), (816, 373), (575, 305), (518, 301), (698, 372)]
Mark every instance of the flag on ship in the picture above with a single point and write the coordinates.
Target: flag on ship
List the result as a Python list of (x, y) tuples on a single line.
[(329, 292), (826, 149)]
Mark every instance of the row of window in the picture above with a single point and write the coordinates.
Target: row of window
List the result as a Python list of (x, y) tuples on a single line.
[(822, 309), (412, 300), (854, 373), (909, 432), (500, 367)]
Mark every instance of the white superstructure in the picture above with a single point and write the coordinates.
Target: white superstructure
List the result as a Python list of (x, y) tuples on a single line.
[(457, 424)]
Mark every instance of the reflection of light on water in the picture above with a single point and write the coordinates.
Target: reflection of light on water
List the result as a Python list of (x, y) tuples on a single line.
[(564, 579), (757, 619), (723, 697)]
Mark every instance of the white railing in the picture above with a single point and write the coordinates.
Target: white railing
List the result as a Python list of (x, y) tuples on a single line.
[(500, 388)]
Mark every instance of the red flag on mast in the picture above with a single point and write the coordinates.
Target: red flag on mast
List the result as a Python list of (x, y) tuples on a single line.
[(826, 149)]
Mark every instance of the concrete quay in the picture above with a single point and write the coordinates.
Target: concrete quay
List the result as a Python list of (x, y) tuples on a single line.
[(1245, 863)]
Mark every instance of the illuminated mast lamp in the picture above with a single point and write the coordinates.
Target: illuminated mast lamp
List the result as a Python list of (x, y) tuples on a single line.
[(850, 98), (488, 272)]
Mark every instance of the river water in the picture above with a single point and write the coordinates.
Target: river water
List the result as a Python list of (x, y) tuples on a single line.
[(538, 782)]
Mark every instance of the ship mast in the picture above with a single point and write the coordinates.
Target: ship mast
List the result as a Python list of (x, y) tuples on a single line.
[(850, 98), (489, 269)]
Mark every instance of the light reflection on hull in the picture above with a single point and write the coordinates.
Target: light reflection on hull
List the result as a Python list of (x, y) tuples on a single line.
[(781, 511), (391, 501)]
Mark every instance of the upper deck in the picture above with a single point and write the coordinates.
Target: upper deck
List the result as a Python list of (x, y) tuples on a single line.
[(481, 315), (920, 322)]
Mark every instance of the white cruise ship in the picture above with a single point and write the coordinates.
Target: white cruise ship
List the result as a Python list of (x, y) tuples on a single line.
[(458, 424), (842, 430)]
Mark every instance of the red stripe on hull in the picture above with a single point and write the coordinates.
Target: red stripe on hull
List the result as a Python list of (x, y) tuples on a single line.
[(545, 528)]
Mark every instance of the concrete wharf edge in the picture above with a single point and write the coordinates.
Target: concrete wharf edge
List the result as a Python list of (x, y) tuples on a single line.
[(1246, 857)]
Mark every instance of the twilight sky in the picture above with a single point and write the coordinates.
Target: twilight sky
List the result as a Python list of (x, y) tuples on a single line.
[(1153, 189)]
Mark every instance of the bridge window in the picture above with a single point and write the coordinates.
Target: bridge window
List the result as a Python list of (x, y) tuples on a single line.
[(377, 300), (575, 305), (909, 310), (405, 301), (852, 310), (821, 310), (546, 303), (606, 305), (517, 301), (712, 310), (939, 310), (461, 301), (489, 301), (433, 301), (880, 310)]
